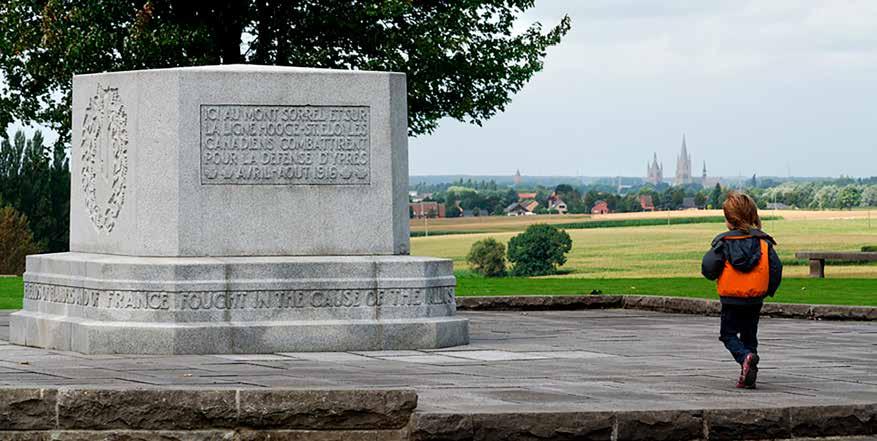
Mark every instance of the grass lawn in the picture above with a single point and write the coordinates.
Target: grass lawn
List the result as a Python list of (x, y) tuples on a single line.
[(793, 290), (861, 292), (11, 292)]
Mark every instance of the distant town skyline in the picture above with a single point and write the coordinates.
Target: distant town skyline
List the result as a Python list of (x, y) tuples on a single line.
[(777, 88)]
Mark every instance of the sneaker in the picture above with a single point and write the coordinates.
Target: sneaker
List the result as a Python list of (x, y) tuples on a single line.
[(749, 373)]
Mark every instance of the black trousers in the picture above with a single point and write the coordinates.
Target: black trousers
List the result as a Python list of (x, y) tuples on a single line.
[(739, 329)]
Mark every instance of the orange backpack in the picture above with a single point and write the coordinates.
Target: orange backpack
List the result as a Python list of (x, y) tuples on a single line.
[(735, 283)]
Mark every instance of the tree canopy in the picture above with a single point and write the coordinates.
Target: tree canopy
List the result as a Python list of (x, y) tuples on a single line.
[(464, 58)]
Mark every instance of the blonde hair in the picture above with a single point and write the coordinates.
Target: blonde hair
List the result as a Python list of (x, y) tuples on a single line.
[(741, 213)]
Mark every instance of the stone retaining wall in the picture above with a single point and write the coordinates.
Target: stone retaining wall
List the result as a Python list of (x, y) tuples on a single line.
[(181, 414), (378, 415), (679, 305), (707, 424)]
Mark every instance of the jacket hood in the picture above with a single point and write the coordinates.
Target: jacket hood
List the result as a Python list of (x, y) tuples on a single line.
[(742, 249)]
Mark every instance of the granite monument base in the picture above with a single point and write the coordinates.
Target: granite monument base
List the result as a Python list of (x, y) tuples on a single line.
[(109, 304)]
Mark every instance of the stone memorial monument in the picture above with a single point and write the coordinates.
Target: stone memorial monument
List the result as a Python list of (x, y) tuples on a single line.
[(238, 209)]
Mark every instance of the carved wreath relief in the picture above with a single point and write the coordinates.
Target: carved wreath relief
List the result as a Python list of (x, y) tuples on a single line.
[(104, 157)]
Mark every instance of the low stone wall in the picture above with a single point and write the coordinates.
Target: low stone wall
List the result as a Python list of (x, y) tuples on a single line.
[(711, 424), (678, 305), (379, 415), (231, 414)]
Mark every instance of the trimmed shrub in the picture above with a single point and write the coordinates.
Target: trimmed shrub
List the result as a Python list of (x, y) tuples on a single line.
[(16, 241), (487, 257), (869, 248), (539, 250)]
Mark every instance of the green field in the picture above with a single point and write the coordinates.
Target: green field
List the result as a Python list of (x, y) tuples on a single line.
[(11, 292), (675, 250), (665, 259), (793, 290)]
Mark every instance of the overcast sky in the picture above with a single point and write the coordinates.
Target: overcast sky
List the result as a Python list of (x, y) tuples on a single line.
[(757, 87)]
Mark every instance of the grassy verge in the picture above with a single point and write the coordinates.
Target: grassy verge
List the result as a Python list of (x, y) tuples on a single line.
[(11, 292), (861, 292)]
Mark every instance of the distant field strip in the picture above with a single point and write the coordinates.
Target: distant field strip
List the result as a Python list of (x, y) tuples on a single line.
[(605, 223)]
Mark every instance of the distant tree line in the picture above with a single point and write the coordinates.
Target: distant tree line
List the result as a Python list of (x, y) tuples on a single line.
[(35, 183), (486, 198)]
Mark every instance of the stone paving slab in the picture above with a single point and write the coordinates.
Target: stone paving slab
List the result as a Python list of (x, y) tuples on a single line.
[(591, 360)]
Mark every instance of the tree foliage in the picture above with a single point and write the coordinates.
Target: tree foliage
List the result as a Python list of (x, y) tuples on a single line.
[(16, 241), (37, 185), (487, 257), (464, 59), (539, 250)]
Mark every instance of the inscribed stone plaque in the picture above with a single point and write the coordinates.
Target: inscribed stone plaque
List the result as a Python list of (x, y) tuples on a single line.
[(285, 145)]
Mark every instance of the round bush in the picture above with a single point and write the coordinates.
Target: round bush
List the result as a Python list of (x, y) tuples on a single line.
[(487, 257), (539, 250)]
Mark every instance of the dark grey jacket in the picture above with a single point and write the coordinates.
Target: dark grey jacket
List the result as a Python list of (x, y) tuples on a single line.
[(744, 255)]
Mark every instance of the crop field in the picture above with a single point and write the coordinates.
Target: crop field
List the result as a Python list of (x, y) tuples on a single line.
[(496, 224), (664, 251)]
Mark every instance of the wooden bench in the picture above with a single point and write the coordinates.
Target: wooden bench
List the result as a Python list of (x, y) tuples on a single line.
[(818, 258)]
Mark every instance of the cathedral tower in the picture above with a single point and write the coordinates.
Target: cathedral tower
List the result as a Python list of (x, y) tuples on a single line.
[(654, 171), (683, 166)]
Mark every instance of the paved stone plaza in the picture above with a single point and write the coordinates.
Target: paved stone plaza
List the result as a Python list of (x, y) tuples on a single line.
[(522, 362)]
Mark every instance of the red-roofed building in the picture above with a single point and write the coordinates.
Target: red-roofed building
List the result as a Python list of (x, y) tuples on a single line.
[(525, 196), (420, 210), (600, 207), (645, 201)]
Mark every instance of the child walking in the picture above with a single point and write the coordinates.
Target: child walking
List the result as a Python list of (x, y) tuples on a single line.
[(747, 269)]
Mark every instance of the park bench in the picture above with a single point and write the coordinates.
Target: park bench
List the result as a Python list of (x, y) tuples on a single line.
[(818, 258)]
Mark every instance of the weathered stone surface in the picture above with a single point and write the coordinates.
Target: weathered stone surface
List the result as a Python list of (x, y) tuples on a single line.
[(442, 427), (27, 408), (834, 420), (238, 209), (216, 160), (112, 304), (322, 435), (122, 435), (537, 303), (673, 305), (149, 409), (836, 312), (326, 409), (738, 424), (786, 310), (556, 426), (660, 425), (25, 435)]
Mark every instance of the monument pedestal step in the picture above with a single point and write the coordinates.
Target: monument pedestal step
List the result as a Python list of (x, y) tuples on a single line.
[(99, 303)]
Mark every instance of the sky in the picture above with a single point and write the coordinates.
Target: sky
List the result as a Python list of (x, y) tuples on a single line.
[(765, 87), (770, 88)]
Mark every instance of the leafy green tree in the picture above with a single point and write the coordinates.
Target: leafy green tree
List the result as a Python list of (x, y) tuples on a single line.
[(716, 199), (464, 59), (539, 250), (16, 241), (850, 196), (487, 257), (38, 186), (869, 196), (700, 199), (825, 197)]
